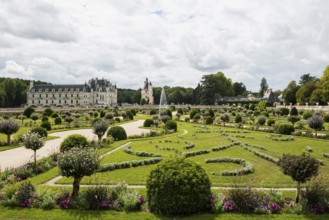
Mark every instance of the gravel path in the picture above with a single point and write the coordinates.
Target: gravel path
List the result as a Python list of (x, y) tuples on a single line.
[(20, 156)]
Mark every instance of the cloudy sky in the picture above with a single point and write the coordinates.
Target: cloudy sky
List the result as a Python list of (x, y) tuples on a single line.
[(171, 42)]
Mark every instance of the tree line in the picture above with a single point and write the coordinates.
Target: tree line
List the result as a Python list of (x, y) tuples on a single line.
[(309, 89)]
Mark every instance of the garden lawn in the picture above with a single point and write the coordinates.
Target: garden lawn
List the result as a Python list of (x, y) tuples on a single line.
[(266, 174)]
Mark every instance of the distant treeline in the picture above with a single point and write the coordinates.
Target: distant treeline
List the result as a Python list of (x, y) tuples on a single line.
[(209, 91)]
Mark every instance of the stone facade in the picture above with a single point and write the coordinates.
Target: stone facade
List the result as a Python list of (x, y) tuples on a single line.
[(147, 92), (95, 92)]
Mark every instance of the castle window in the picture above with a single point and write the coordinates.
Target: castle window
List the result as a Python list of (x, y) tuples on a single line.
[(65, 89), (33, 90), (77, 90), (46, 101), (46, 95), (46, 90), (59, 90), (71, 101), (39, 95), (33, 95), (60, 95), (32, 101), (60, 101), (72, 89), (71, 95), (53, 90)]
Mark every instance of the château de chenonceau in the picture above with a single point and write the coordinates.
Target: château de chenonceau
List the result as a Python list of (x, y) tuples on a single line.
[(94, 92)]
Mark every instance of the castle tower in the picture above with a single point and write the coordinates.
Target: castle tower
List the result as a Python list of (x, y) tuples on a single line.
[(147, 92)]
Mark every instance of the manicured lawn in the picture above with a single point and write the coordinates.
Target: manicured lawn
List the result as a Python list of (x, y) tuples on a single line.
[(31, 213), (266, 174)]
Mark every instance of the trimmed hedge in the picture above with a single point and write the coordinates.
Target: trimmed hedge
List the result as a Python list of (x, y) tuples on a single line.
[(40, 131), (171, 125), (195, 153), (247, 167), (74, 140), (189, 145), (128, 164), (148, 122), (326, 155), (285, 129), (280, 138), (224, 147), (140, 153)]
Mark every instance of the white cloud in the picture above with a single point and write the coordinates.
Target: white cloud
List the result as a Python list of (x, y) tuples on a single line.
[(170, 42)]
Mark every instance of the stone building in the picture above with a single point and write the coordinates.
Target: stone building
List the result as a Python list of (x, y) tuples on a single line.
[(269, 96), (95, 92), (147, 92)]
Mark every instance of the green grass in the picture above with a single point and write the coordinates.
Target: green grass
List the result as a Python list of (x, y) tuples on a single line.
[(32, 213), (266, 173)]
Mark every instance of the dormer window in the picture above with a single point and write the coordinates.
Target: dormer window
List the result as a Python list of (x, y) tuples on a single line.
[(33, 90), (53, 90), (40, 90), (59, 90), (46, 90), (65, 89), (72, 89), (77, 89)]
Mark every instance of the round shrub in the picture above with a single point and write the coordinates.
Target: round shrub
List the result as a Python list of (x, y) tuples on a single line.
[(74, 141), (209, 120), (270, 122), (148, 122), (266, 114), (118, 133), (197, 116), (285, 129), (44, 118), (117, 119), (178, 187), (129, 115), (58, 121), (40, 131), (28, 111), (109, 116), (46, 125), (326, 118), (307, 114), (261, 120), (284, 111), (238, 119), (194, 112), (180, 111), (153, 112), (133, 111), (171, 125), (54, 115)]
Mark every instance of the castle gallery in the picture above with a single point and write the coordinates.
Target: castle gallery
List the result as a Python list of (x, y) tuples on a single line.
[(94, 92)]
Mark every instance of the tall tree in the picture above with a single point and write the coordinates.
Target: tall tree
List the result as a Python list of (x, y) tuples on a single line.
[(290, 91), (263, 86), (239, 88), (215, 86), (306, 78), (304, 93)]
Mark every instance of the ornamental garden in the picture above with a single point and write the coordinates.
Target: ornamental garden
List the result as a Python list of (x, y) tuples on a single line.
[(207, 162)]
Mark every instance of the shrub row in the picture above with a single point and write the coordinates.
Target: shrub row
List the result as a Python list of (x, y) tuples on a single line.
[(309, 149), (261, 155), (326, 155), (222, 147), (242, 136), (128, 164), (140, 153), (257, 147), (189, 145), (247, 167), (234, 141), (195, 153), (167, 148), (277, 138)]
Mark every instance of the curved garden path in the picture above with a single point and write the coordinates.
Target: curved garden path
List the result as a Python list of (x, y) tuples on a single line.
[(19, 156)]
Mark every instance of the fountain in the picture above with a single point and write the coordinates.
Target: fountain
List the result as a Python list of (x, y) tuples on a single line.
[(163, 106)]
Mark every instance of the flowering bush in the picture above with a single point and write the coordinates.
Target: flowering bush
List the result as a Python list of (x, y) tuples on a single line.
[(62, 200), (25, 194), (274, 208)]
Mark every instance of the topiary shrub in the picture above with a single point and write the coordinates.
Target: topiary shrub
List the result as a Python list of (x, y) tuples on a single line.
[(178, 187), (307, 114), (58, 121), (238, 119), (194, 112), (129, 115), (148, 123), (284, 111), (270, 122), (209, 120), (54, 115), (40, 131), (46, 125), (171, 125), (294, 111), (118, 133), (74, 140), (261, 120), (285, 129), (153, 112), (28, 111)]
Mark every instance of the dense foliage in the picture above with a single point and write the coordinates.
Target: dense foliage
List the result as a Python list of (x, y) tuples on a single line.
[(118, 133), (74, 141), (178, 187)]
